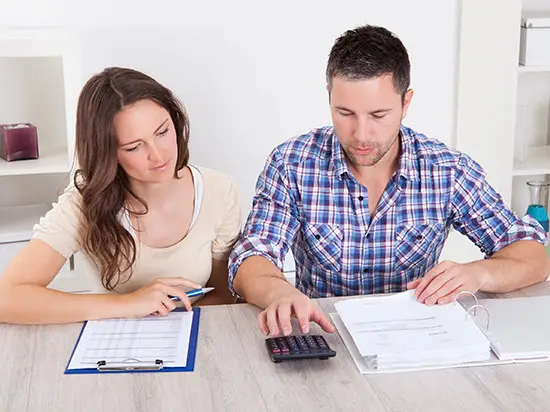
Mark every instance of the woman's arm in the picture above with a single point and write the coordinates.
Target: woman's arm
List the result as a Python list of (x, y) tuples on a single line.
[(25, 298), (221, 294)]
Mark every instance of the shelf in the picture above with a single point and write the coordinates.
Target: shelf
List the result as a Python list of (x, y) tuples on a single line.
[(16, 223), (537, 162), (34, 42), (62, 281), (47, 164), (533, 69)]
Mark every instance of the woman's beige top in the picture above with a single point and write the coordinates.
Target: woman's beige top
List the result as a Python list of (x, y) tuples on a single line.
[(215, 228)]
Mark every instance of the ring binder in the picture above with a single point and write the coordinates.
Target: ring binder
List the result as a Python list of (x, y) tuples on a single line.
[(486, 311), (474, 307), (131, 364), (468, 293), (398, 333), (519, 332)]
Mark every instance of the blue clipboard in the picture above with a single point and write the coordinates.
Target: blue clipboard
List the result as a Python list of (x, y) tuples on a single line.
[(157, 366)]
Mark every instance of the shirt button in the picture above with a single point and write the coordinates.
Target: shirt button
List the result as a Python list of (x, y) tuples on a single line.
[(360, 198), (317, 237), (365, 270), (368, 235)]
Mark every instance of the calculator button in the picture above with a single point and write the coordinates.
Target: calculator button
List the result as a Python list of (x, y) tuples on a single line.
[(311, 342), (292, 344), (302, 343), (283, 345), (321, 342), (273, 346)]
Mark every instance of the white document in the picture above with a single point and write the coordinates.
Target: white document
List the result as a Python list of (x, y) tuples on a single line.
[(367, 369), (122, 341), (398, 332)]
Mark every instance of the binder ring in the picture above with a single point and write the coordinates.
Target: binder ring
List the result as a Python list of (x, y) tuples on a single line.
[(486, 311), (465, 292)]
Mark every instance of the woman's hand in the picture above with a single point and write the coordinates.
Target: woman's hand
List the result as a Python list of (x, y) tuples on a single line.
[(153, 298)]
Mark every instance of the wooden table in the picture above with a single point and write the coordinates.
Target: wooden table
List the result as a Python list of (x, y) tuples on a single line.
[(234, 373)]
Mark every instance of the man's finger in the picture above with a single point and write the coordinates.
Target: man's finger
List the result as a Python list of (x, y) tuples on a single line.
[(283, 314), (413, 283), (302, 311), (262, 322), (427, 278), (321, 319), (272, 321), (452, 283), (436, 283), (451, 296)]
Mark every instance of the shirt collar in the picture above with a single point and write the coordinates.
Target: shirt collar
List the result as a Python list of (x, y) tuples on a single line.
[(407, 165), (339, 163), (408, 161)]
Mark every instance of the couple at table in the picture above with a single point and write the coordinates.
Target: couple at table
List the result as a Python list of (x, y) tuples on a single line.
[(365, 205)]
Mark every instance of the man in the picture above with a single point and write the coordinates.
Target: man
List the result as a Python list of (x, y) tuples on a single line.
[(367, 204)]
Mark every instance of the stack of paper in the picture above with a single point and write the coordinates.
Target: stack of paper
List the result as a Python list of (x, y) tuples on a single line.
[(398, 332)]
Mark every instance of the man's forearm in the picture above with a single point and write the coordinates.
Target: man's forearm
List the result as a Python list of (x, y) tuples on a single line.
[(259, 281), (520, 264)]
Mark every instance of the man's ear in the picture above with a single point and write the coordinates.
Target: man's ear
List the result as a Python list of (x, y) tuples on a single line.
[(406, 102)]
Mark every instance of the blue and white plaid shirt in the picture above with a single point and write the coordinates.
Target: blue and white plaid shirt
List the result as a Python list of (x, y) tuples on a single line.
[(307, 199)]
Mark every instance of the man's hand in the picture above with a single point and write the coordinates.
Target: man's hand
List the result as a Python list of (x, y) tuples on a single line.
[(447, 279), (276, 317)]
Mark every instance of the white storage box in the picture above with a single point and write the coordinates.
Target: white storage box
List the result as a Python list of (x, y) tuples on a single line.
[(535, 40)]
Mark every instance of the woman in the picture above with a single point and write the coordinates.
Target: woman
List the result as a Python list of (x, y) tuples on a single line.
[(151, 224)]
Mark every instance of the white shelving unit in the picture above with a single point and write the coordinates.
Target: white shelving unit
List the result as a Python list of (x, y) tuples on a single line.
[(532, 141), (533, 69), (39, 79), (47, 164), (537, 162), (17, 221)]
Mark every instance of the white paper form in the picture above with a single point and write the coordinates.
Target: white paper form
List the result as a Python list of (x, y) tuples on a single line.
[(117, 341), (398, 330)]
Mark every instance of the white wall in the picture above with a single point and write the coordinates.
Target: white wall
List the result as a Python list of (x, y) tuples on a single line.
[(535, 5), (251, 74)]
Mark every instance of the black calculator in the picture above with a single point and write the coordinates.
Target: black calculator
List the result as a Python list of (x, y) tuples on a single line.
[(298, 347)]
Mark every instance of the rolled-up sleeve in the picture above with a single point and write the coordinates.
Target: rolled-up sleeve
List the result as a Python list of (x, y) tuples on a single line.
[(481, 215), (272, 222)]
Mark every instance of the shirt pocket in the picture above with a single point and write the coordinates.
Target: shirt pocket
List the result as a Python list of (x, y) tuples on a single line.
[(325, 243), (415, 244)]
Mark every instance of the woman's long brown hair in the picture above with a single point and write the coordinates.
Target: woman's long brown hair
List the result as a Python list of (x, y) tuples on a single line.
[(100, 180)]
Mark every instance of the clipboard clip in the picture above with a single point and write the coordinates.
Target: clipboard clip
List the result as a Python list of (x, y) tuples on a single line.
[(130, 364)]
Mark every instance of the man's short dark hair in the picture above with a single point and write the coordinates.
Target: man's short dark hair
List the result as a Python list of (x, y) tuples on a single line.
[(368, 52)]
